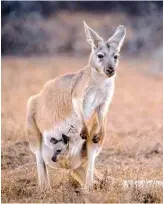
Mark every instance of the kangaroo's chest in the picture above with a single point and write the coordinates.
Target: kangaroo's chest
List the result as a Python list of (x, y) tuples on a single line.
[(94, 98)]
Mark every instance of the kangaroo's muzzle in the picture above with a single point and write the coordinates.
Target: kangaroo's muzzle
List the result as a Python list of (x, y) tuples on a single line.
[(109, 71)]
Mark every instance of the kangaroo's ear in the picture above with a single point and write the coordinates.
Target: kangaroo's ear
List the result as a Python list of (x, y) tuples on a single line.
[(92, 37), (65, 138), (118, 37)]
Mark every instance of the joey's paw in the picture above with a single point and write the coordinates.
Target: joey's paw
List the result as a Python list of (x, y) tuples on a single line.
[(96, 138), (84, 133)]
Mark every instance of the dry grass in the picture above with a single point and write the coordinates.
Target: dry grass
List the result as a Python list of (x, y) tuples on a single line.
[(133, 148)]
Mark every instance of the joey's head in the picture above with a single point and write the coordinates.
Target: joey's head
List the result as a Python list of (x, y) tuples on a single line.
[(59, 146), (104, 56)]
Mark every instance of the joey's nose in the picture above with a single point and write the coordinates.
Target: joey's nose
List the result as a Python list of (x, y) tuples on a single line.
[(54, 158)]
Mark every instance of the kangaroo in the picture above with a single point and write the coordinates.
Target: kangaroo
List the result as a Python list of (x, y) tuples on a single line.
[(79, 100)]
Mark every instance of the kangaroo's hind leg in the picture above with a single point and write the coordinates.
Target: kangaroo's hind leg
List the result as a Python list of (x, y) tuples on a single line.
[(42, 171), (79, 173), (93, 149), (35, 142), (78, 161)]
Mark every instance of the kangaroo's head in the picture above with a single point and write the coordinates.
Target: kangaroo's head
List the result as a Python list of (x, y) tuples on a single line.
[(104, 56)]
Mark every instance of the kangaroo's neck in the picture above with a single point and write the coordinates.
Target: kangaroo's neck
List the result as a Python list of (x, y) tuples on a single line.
[(96, 78)]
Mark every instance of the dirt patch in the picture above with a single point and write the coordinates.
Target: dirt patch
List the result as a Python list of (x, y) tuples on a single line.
[(16, 155)]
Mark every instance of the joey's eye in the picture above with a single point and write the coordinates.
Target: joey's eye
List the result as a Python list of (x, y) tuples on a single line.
[(53, 140), (100, 56), (115, 57), (65, 138), (58, 151)]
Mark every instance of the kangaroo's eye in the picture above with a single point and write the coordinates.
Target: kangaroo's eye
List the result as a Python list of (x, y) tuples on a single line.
[(53, 140), (108, 46), (115, 57), (100, 56)]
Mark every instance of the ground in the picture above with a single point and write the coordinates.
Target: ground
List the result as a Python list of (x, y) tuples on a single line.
[(134, 133)]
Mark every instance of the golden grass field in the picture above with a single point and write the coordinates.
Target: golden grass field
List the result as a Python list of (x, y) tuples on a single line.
[(134, 134)]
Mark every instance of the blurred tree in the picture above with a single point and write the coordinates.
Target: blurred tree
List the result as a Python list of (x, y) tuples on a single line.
[(46, 8), (25, 28)]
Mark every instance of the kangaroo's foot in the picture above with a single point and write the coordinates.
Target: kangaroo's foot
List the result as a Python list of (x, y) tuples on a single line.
[(77, 177), (98, 176), (45, 186)]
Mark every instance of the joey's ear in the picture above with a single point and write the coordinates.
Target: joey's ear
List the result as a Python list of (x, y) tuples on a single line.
[(92, 37), (65, 138), (118, 37)]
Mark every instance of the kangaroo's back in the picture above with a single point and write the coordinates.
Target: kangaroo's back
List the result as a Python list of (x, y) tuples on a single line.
[(54, 102)]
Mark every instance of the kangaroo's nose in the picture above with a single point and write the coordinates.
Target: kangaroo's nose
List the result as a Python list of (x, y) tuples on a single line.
[(110, 70)]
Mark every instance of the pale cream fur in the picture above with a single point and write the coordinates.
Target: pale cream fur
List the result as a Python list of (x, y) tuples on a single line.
[(80, 100)]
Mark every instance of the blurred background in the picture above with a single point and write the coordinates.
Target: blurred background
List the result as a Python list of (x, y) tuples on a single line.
[(48, 28), (44, 39)]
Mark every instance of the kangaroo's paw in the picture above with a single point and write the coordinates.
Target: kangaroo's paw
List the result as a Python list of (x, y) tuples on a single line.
[(84, 133), (96, 138)]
